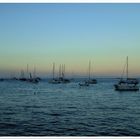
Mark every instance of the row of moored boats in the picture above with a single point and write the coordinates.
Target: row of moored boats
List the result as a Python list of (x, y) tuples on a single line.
[(124, 84)]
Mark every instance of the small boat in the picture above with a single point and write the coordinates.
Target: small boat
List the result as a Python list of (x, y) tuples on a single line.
[(64, 80), (84, 84), (22, 77), (126, 87), (61, 78), (30, 78), (33, 79), (91, 81), (54, 80), (128, 84)]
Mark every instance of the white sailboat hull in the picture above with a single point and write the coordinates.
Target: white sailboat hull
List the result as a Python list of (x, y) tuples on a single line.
[(128, 84), (92, 81), (84, 84), (126, 87), (54, 81)]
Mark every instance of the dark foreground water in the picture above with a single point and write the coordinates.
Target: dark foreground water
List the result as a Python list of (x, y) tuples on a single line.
[(66, 110)]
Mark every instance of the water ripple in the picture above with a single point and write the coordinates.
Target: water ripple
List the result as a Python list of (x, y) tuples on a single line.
[(67, 110)]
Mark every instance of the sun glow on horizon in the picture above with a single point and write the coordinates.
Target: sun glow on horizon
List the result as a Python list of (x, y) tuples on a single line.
[(70, 34)]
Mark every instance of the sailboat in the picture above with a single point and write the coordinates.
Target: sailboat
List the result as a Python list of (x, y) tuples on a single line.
[(22, 77), (91, 81), (128, 84), (29, 77), (54, 80), (84, 84), (62, 78), (33, 79)]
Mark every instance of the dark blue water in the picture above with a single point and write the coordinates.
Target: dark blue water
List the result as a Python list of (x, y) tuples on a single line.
[(66, 110)]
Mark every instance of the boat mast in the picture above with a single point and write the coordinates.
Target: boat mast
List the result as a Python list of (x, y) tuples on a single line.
[(63, 70), (53, 69), (34, 74), (27, 70), (127, 67), (60, 71), (22, 74), (89, 69)]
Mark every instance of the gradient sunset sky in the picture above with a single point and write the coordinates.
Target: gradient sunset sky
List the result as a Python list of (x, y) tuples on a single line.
[(70, 34)]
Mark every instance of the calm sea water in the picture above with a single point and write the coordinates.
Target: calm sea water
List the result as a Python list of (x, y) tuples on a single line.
[(67, 110)]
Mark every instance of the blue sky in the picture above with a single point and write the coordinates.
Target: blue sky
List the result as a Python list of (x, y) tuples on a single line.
[(70, 34)]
